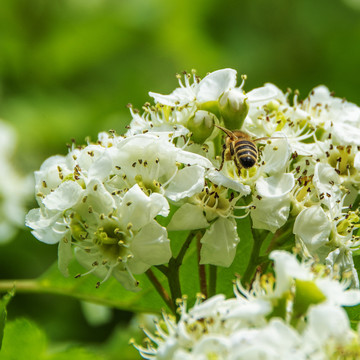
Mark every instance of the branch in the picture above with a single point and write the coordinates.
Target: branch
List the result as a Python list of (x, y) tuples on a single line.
[(160, 289)]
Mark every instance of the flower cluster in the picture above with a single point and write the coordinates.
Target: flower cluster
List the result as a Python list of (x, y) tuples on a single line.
[(105, 199), (14, 189), (307, 173), (296, 315)]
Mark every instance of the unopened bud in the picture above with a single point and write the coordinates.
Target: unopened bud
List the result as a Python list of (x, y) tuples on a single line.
[(201, 125), (234, 107)]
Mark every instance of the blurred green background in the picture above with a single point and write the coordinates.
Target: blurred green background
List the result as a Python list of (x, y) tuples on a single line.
[(69, 67)]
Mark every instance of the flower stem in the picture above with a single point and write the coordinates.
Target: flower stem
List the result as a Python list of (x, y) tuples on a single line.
[(258, 238), (184, 248), (160, 289), (212, 280), (280, 237), (173, 271), (202, 272)]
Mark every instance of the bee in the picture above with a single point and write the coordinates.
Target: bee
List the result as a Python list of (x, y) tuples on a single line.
[(239, 147)]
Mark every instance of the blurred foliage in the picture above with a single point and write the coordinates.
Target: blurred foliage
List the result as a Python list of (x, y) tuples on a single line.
[(68, 68)]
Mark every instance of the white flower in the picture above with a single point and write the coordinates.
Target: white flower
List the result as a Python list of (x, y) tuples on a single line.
[(328, 331), (127, 242), (328, 232), (271, 204), (288, 269), (153, 163), (336, 116), (275, 341), (251, 326), (208, 89), (161, 121), (112, 229), (212, 207)]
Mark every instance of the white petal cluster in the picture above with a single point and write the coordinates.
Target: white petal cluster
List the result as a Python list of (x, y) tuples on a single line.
[(307, 171), (304, 179), (322, 134), (297, 316), (103, 200), (15, 190)]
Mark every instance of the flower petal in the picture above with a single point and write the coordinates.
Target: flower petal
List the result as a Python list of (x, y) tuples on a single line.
[(275, 186), (270, 213), (213, 85), (64, 197), (151, 245), (187, 182), (219, 243), (276, 155), (46, 229), (313, 227), (139, 209), (188, 217), (220, 179)]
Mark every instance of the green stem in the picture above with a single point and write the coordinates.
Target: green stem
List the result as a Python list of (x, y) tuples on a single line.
[(31, 286), (160, 289), (184, 248), (279, 238), (164, 269), (254, 257), (173, 272), (212, 280), (202, 272)]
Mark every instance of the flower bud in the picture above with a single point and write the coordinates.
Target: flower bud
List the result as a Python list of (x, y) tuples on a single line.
[(201, 124), (306, 294), (234, 107)]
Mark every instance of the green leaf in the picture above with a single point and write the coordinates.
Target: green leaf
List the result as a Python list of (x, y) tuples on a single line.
[(354, 315), (110, 293), (3, 313), (75, 353), (24, 340)]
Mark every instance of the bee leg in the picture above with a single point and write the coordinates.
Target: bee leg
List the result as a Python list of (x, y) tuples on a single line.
[(232, 151), (238, 166), (222, 158)]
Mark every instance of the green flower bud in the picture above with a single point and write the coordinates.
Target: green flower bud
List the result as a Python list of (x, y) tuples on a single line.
[(306, 294), (201, 124), (234, 107)]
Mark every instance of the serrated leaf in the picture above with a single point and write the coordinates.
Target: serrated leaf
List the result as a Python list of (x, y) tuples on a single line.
[(3, 313)]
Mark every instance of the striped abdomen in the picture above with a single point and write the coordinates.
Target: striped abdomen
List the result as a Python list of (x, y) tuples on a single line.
[(246, 153)]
